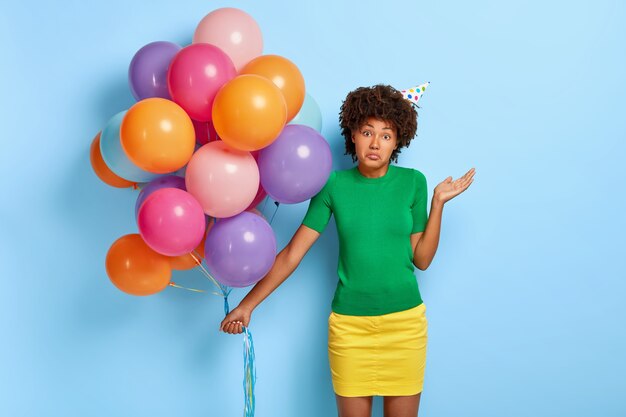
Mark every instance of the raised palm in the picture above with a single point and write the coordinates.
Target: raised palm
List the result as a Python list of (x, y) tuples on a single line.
[(448, 189)]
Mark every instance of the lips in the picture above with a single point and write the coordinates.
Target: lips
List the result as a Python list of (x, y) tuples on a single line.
[(373, 156)]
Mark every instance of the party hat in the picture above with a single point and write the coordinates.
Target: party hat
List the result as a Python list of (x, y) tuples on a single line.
[(415, 93)]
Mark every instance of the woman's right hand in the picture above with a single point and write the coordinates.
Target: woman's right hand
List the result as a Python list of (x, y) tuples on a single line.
[(233, 322)]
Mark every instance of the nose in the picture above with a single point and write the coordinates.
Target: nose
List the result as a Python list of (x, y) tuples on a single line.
[(374, 143)]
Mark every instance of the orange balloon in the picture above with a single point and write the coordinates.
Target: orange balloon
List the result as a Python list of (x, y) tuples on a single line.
[(285, 75), (249, 112), (102, 170), (186, 261), (157, 135), (135, 268)]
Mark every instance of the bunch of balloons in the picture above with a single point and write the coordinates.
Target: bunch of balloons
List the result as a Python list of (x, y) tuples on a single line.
[(217, 127)]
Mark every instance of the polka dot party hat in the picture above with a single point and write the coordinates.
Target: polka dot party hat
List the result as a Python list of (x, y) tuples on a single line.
[(415, 93)]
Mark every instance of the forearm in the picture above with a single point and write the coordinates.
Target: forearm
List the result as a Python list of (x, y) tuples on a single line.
[(427, 245), (280, 271)]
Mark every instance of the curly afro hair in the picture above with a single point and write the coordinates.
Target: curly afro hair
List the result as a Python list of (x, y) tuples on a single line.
[(381, 102)]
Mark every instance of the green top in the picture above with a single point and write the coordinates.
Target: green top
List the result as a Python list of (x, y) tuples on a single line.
[(375, 218)]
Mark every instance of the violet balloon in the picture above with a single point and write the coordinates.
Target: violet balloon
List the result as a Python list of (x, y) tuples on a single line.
[(171, 222), (168, 181), (147, 73), (296, 165), (240, 250)]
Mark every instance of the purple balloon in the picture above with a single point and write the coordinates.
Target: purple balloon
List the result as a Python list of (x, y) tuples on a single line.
[(240, 250), (296, 165), (147, 74), (168, 181)]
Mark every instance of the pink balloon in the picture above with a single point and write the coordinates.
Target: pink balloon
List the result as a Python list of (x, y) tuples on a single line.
[(171, 222), (195, 75), (224, 180), (233, 31)]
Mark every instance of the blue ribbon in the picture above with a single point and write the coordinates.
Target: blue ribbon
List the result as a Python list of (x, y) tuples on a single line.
[(249, 373), (249, 369)]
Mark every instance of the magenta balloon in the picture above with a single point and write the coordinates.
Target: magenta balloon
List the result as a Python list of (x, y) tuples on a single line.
[(168, 181), (171, 222), (296, 165), (147, 73), (240, 250), (196, 73), (202, 132)]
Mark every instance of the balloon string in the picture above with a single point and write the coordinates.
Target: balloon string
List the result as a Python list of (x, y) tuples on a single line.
[(249, 378), (173, 284), (226, 308), (198, 260), (224, 290), (277, 205)]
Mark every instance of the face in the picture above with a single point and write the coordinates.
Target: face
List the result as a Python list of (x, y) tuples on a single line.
[(374, 141)]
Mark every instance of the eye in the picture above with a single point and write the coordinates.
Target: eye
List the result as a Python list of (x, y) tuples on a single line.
[(366, 133), (387, 137)]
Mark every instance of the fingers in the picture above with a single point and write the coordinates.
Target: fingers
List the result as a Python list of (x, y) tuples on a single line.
[(466, 179), (232, 327)]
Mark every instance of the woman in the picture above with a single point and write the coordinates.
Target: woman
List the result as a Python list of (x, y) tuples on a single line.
[(377, 328)]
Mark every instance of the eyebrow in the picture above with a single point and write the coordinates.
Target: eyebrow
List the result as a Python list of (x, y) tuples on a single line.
[(388, 128)]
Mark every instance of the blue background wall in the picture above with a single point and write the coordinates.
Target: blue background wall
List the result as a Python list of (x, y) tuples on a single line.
[(525, 295)]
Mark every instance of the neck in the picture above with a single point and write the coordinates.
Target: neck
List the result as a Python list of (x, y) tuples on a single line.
[(370, 172)]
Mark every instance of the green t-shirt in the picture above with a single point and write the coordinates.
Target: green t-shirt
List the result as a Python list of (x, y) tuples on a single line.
[(375, 218)]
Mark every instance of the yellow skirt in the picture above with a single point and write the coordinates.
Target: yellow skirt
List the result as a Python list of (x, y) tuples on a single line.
[(378, 355)]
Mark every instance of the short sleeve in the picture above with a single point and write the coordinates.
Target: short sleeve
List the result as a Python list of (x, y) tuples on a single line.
[(320, 206), (418, 207)]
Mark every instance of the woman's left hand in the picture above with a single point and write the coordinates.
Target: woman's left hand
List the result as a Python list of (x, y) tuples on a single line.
[(448, 189)]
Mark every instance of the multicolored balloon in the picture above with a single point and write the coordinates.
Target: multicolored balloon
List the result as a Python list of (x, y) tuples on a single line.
[(135, 268), (284, 74), (296, 165), (171, 222), (224, 180), (147, 73), (114, 156), (249, 112), (309, 114), (168, 181), (102, 170), (233, 31), (196, 74), (240, 250), (157, 135)]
